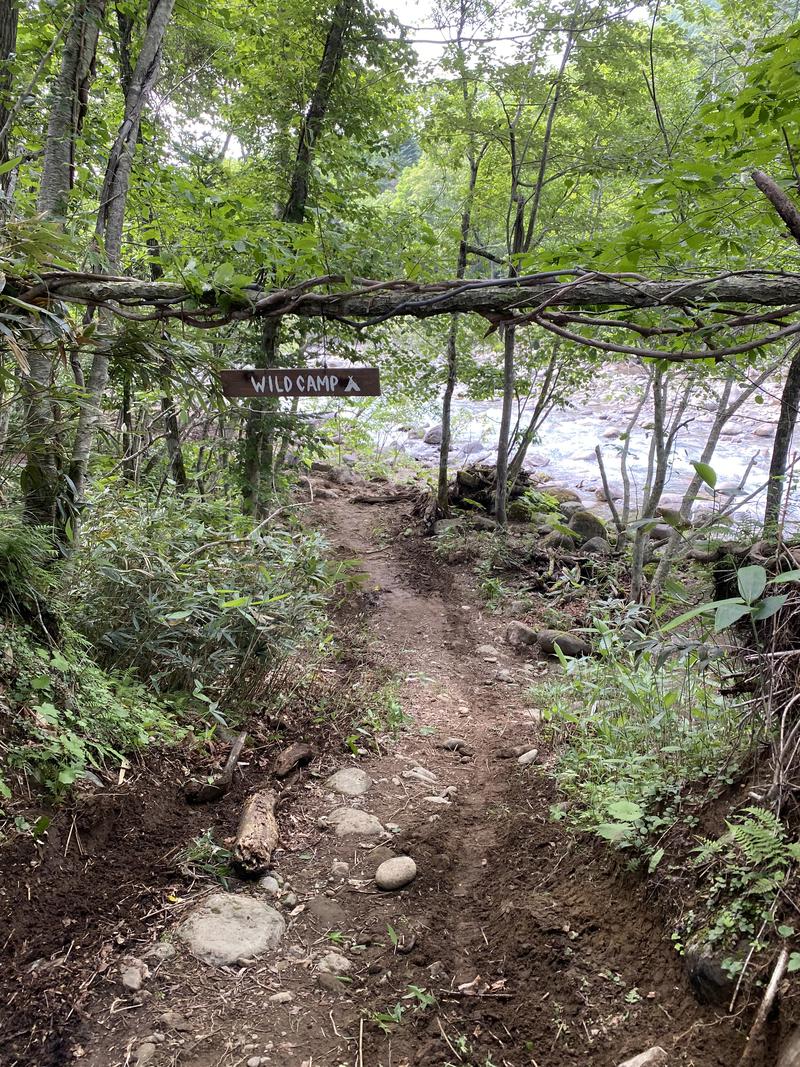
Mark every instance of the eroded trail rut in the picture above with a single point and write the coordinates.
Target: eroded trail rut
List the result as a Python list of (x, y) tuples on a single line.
[(517, 944)]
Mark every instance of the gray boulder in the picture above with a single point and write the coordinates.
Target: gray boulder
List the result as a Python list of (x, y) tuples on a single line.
[(433, 436), (519, 634), (350, 782), (395, 873), (597, 546), (586, 525), (570, 644), (352, 822), (561, 493), (227, 928)]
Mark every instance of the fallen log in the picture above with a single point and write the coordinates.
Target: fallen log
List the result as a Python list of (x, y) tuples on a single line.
[(257, 836), (291, 757), (197, 792)]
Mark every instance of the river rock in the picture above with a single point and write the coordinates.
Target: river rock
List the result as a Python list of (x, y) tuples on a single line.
[(561, 493), (352, 822), (660, 533), (343, 476), (653, 1057), (270, 885), (350, 782), (557, 541), (520, 634), (518, 510), (570, 644), (586, 525), (528, 757), (471, 448), (764, 431), (227, 928), (433, 436), (284, 997), (569, 507), (334, 963), (597, 546), (396, 873), (616, 492), (482, 522)]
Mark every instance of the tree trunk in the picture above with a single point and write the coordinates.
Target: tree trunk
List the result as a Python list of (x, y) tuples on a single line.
[(442, 492), (41, 475), (787, 419), (501, 488), (258, 445), (172, 441), (9, 18), (314, 118), (110, 221), (69, 97), (540, 412)]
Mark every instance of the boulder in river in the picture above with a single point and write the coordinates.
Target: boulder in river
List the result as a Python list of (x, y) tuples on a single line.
[(434, 435), (561, 493), (586, 525), (570, 644)]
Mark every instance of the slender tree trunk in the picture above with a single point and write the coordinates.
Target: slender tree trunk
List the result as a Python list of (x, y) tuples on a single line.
[(128, 464), (442, 492), (501, 489), (9, 18), (540, 412), (69, 97), (172, 441), (258, 448), (787, 420), (111, 218)]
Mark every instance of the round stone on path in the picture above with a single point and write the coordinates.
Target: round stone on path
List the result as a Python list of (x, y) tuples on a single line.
[(352, 822), (227, 928), (528, 757), (350, 782), (396, 873), (334, 963)]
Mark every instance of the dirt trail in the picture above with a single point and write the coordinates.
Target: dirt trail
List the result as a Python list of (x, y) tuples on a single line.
[(536, 949)]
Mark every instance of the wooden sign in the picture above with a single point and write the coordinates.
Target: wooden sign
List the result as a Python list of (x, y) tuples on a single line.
[(312, 381)]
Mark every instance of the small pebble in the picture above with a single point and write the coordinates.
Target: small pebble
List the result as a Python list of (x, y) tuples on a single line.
[(284, 997), (290, 900), (269, 885), (340, 869), (335, 963), (145, 1053)]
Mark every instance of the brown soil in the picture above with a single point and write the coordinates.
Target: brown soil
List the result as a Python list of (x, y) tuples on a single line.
[(537, 948)]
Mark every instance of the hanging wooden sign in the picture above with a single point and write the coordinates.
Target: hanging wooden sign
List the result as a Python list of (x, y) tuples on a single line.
[(310, 381)]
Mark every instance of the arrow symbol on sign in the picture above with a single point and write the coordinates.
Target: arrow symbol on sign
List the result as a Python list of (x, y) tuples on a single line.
[(352, 386)]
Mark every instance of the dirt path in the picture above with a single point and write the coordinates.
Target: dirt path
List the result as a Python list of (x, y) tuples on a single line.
[(515, 945)]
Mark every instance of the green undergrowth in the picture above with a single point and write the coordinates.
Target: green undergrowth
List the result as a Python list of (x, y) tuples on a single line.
[(172, 618), (635, 727), (65, 715), (646, 742)]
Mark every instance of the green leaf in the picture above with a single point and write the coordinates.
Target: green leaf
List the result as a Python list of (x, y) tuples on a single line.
[(751, 582), (787, 576), (769, 606), (794, 962), (655, 859), (625, 811), (10, 164), (708, 474), (702, 609), (786, 931), (727, 614), (615, 832)]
